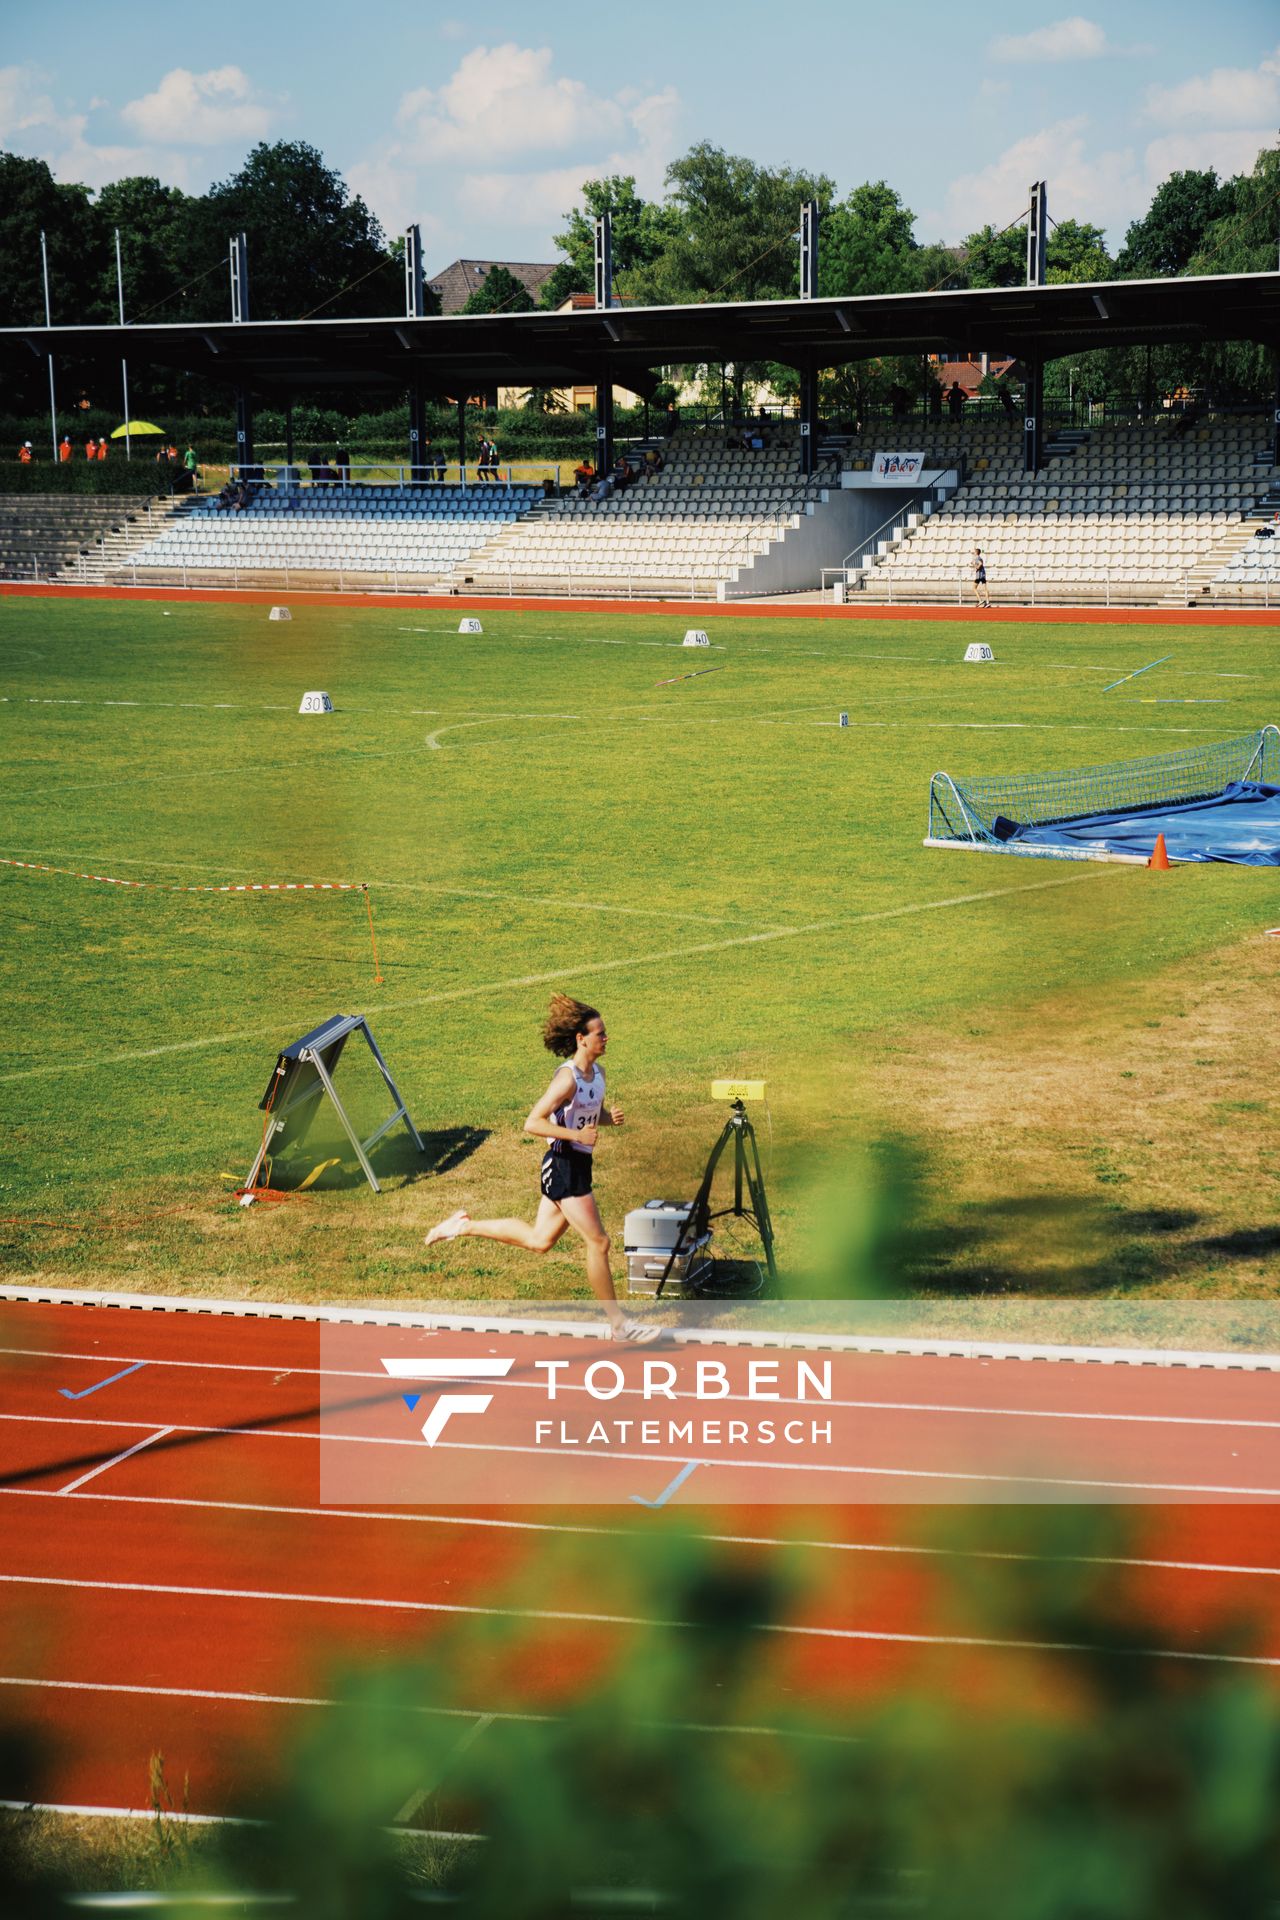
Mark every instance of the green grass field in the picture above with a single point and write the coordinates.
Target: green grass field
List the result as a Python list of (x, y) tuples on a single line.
[(1068, 1055)]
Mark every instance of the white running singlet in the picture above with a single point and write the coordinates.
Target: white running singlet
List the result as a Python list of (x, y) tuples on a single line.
[(582, 1109)]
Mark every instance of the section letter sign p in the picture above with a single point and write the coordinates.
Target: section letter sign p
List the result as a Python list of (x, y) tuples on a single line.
[(480, 1368)]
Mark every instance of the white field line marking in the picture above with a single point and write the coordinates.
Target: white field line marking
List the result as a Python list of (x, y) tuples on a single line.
[(211, 706), (736, 1399), (161, 1434), (975, 1477), (400, 1516), (585, 969), (433, 1713), (492, 719), (781, 1629), (406, 886)]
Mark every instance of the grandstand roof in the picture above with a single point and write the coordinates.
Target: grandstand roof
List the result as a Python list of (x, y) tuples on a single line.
[(452, 354)]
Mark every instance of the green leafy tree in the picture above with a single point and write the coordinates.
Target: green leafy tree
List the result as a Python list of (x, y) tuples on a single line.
[(499, 292), (867, 244), (1076, 251), (640, 232), (1173, 229), (733, 226), (1243, 237), (312, 246)]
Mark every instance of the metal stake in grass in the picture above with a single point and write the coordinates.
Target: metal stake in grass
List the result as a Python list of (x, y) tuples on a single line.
[(695, 675)]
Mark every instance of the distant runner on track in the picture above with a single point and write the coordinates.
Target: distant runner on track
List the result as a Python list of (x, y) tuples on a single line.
[(568, 1117)]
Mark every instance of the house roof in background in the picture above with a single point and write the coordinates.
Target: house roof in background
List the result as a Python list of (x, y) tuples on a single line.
[(456, 283)]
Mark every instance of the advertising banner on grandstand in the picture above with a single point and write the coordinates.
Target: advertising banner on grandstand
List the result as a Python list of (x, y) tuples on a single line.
[(895, 469)]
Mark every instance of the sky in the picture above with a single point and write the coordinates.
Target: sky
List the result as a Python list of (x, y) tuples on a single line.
[(483, 127)]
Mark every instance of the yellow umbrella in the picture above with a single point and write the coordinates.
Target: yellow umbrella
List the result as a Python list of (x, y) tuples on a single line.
[(136, 427)]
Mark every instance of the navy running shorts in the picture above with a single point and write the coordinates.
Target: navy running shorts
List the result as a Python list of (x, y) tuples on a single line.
[(566, 1175)]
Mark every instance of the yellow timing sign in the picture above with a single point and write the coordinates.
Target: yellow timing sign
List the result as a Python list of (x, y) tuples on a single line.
[(737, 1089)]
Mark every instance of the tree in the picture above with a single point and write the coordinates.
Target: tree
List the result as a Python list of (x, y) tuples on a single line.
[(312, 247), (1076, 251), (867, 244), (1242, 239), (1173, 229), (733, 227), (32, 202), (499, 292), (640, 231), (152, 222)]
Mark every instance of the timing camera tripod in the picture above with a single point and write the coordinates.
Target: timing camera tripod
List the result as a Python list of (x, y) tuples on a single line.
[(746, 1174)]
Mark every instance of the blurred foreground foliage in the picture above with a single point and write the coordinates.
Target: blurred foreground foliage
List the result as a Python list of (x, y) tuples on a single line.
[(1062, 1759)]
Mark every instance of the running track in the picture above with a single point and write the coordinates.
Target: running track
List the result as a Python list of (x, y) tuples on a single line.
[(169, 1579)]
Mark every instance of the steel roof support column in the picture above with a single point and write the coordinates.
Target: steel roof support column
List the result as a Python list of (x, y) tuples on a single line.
[(244, 435), (604, 425), (1275, 412), (462, 435), (808, 418), (1032, 415), (809, 222), (417, 433)]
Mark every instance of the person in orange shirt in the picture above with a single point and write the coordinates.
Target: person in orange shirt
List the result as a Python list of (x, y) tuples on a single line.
[(24, 454), (91, 448), (64, 451), (102, 448)]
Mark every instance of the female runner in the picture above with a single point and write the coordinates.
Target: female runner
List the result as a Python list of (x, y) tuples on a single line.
[(567, 1117)]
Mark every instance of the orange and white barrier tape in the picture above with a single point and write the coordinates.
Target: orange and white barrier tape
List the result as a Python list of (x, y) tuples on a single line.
[(241, 886)]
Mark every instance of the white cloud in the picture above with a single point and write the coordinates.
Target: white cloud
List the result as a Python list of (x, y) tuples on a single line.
[(200, 109), (21, 105), (1227, 97), (1073, 39), (1084, 183), (1225, 151), (475, 143), (503, 101)]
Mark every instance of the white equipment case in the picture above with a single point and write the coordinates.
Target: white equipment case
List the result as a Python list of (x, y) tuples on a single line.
[(649, 1234)]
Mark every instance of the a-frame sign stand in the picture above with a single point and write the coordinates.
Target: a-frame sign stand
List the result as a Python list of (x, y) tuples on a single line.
[(303, 1076)]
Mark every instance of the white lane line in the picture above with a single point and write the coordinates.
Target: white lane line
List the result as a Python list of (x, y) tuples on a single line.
[(568, 1616), (435, 1778), (975, 1477), (745, 1399), (161, 1434), (78, 1812), (583, 970), (433, 1713), (401, 1516)]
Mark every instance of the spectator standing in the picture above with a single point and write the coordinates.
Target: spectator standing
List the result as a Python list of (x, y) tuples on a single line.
[(981, 592), (342, 461), (24, 453), (91, 448), (956, 397), (192, 467), (64, 450), (102, 449)]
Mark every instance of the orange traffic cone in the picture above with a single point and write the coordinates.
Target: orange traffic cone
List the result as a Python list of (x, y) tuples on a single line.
[(1160, 857)]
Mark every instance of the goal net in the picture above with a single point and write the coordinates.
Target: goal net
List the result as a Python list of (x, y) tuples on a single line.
[(987, 811)]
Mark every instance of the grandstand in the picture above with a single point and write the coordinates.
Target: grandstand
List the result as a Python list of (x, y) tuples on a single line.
[(692, 529), (1152, 513), (418, 534)]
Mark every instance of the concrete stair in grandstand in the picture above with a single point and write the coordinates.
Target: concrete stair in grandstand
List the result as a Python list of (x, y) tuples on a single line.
[(1199, 578), (106, 560), (61, 536), (699, 524), (1133, 511)]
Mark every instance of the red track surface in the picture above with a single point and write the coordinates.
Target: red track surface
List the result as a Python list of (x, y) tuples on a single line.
[(195, 1597), (735, 610)]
